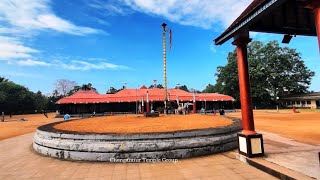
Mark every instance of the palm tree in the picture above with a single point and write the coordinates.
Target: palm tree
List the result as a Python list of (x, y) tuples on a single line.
[(3, 79)]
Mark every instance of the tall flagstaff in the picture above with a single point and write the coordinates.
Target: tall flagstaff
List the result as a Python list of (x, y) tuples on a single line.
[(164, 64), (164, 43)]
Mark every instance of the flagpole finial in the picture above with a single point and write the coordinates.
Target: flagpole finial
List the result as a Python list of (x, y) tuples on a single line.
[(164, 24)]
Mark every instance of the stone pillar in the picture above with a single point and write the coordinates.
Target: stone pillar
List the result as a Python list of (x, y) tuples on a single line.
[(250, 142)]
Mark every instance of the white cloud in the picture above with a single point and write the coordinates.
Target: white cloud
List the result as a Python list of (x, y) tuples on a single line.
[(107, 8), (83, 65), (30, 62), (12, 48), (29, 15), (53, 22), (20, 19), (200, 13)]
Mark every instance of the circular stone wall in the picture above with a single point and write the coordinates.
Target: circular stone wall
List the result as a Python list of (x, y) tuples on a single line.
[(108, 147)]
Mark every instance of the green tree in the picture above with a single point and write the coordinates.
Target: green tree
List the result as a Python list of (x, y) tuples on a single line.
[(83, 87), (53, 99), (41, 101), (210, 89), (112, 90), (15, 98), (160, 86), (183, 87), (3, 79), (274, 72)]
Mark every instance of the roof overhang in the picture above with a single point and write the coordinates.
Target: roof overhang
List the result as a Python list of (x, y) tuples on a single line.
[(273, 16)]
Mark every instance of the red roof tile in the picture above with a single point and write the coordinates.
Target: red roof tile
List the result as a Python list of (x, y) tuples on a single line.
[(132, 95)]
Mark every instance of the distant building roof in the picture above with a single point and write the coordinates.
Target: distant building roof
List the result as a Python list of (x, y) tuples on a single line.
[(306, 96), (133, 95)]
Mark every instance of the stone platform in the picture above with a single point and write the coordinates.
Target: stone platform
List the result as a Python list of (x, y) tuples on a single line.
[(131, 147)]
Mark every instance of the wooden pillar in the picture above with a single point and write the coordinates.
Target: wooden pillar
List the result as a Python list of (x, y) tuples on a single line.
[(142, 108), (147, 104), (244, 85), (316, 11), (194, 110), (148, 107), (250, 142)]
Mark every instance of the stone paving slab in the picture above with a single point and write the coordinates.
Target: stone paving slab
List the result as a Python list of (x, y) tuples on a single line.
[(291, 154), (18, 161)]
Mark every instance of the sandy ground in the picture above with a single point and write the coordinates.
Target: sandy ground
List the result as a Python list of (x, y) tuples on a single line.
[(15, 127), (303, 126), (141, 124)]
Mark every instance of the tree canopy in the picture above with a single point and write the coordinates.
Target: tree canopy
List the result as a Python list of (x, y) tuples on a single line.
[(113, 90), (210, 89), (274, 72), (183, 87), (160, 86), (77, 88), (15, 98)]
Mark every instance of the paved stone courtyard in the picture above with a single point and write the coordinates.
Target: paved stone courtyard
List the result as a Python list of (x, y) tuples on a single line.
[(300, 157), (18, 161)]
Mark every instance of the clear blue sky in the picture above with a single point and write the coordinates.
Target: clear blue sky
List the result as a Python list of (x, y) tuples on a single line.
[(108, 42)]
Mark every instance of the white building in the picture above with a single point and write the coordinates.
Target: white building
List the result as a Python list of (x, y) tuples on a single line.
[(308, 100)]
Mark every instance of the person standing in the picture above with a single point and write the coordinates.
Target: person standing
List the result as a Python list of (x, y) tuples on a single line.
[(139, 109), (187, 108)]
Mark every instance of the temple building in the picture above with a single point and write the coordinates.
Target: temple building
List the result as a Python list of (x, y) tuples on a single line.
[(140, 101)]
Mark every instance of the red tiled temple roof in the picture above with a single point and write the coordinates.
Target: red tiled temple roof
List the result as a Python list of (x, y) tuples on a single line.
[(133, 95)]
